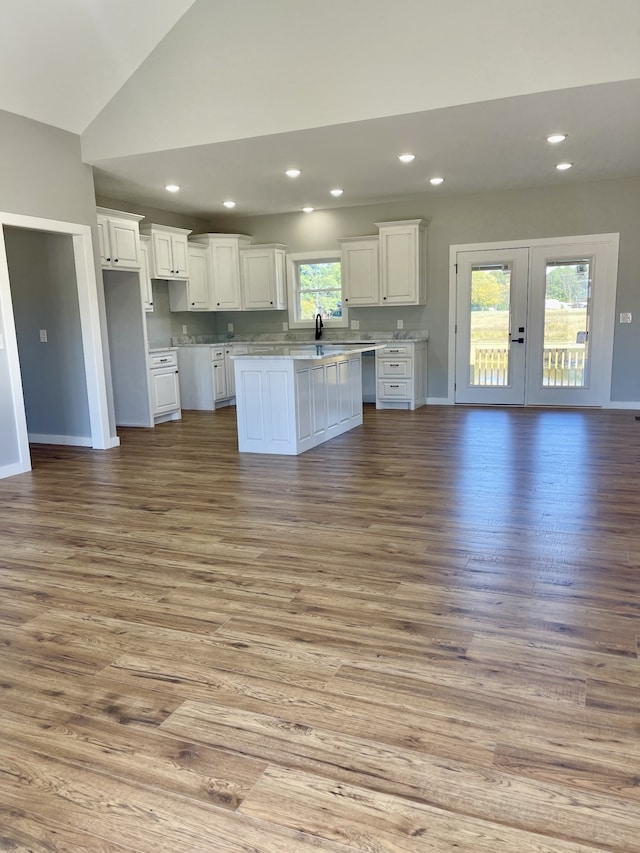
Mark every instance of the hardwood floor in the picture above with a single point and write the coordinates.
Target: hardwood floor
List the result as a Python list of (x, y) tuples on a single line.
[(421, 636)]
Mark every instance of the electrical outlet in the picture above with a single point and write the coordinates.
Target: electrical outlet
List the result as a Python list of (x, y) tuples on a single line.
[(355, 324), (625, 317), (184, 330), (43, 336), (399, 324), (229, 327), (285, 327)]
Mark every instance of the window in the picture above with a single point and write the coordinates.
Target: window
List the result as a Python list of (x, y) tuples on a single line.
[(315, 287)]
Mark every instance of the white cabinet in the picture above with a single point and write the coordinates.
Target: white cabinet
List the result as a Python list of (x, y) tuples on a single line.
[(164, 387), (146, 289), (401, 375), (232, 349), (360, 271), (193, 293), (169, 251), (118, 239), (403, 262), (218, 374), (223, 252), (262, 273)]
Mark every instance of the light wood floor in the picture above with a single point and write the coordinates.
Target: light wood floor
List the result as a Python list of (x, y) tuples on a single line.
[(419, 637)]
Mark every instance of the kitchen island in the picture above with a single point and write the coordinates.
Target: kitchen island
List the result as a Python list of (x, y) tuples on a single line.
[(293, 398)]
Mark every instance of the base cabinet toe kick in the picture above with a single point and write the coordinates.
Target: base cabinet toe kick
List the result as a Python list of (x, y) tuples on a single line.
[(292, 400)]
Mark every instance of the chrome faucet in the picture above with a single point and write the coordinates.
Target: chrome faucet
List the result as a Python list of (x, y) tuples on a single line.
[(319, 325)]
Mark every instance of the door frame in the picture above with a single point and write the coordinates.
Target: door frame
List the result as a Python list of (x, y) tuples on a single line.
[(94, 367), (609, 286)]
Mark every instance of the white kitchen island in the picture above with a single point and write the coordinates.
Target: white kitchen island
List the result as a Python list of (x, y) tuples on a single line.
[(293, 398)]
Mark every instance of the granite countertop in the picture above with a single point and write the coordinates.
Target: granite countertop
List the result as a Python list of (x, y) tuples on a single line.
[(290, 340), (314, 352)]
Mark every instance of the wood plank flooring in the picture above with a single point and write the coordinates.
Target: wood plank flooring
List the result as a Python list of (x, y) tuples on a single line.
[(421, 636)]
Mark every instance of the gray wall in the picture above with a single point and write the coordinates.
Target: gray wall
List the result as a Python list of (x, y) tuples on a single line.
[(41, 174), (554, 211), (44, 292)]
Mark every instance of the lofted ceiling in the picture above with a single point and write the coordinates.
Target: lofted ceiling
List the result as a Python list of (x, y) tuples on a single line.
[(220, 97)]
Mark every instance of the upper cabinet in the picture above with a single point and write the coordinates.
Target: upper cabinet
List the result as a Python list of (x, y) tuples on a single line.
[(169, 251), (118, 239), (145, 276), (360, 271), (403, 262), (262, 276), (194, 293), (223, 253)]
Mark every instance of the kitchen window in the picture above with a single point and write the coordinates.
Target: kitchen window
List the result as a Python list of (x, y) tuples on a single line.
[(315, 287)]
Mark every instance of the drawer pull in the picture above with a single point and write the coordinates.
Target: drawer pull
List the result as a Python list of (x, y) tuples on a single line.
[(164, 359), (394, 386), (394, 365)]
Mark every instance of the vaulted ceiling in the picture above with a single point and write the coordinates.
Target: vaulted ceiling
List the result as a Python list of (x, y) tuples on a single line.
[(220, 97)]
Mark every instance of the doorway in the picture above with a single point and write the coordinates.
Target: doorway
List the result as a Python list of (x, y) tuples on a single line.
[(533, 322)]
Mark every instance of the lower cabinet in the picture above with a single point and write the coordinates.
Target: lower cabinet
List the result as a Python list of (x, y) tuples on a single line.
[(205, 371), (164, 385), (218, 375), (401, 375)]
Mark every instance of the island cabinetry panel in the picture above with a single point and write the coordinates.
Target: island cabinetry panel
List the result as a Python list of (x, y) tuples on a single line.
[(262, 269), (401, 376), (360, 271), (169, 251), (403, 262), (118, 239), (290, 406)]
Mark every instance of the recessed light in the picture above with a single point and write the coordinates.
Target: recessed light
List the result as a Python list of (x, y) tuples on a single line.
[(292, 173), (562, 167), (308, 209), (172, 188), (229, 203), (406, 158), (556, 137), (336, 192), (436, 181)]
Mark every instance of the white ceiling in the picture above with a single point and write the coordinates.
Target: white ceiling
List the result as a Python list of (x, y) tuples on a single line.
[(221, 97), (61, 61), (493, 145)]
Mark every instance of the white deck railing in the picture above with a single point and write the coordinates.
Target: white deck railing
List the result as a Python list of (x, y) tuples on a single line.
[(562, 366)]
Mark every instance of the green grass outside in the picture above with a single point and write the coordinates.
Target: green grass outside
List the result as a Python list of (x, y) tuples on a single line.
[(562, 325)]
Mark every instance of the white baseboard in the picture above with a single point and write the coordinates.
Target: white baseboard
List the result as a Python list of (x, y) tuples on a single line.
[(69, 440), (12, 470), (439, 401), (621, 405)]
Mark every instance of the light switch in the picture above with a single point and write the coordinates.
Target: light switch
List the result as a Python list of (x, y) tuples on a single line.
[(285, 327), (229, 327), (400, 324), (355, 324), (625, 317), (43, 336), (184, 330)]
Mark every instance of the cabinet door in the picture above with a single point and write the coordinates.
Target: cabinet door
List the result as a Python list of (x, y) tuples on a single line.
[(103, 242), (258, 279), (225, 276), (219, 380), (198, 286), (162, 257), (124, 243), (165, 391), (145, 278), (360, 273), (399, 266), (180, 255), (230, 373)]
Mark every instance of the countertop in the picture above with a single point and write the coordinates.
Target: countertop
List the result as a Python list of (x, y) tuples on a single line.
[(314, 352)]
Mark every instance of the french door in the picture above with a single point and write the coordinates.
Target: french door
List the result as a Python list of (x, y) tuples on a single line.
[(532, 324)]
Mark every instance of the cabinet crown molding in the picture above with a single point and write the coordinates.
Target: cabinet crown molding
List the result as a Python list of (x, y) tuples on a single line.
[(421, 223), (148, 228), (118, 214)]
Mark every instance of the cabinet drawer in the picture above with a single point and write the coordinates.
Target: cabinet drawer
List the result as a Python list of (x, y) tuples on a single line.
[(390, 390), (163, 359), (217, 353), (394, 368), (395, 349)]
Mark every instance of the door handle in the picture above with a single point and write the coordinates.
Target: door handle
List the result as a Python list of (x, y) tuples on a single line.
[(517, 340)]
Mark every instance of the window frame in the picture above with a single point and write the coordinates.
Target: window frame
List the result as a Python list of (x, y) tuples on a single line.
[(295, 260)]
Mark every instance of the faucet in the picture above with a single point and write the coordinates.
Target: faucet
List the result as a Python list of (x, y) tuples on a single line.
[(319, 325)]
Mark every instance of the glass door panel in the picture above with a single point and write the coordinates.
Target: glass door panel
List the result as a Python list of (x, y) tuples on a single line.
[(490, 319), (567, 303)]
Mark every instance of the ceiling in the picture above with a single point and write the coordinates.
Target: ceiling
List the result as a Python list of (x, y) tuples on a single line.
[(222, 97), (493, 145)]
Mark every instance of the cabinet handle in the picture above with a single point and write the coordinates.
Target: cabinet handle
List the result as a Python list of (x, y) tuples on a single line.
[(393, 350), (162, 360), (394, 386), (271, 303), (384, 297), (151, 303), (346, 300), (108, 260), (193, 303), (115, 260), (393, 365)]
